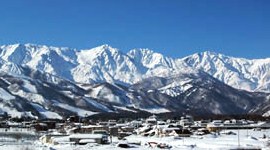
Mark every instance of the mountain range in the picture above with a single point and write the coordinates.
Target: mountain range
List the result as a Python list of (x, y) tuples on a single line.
[(51, 82)]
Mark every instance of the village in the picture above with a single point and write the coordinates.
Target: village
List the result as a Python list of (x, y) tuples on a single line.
[(143, 133)]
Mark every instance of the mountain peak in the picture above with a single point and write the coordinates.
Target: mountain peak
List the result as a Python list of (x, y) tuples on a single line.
[(206, 56), (104, 49), (213, 54), (209, 53), (150, 59), (105, 46), (142, 52)]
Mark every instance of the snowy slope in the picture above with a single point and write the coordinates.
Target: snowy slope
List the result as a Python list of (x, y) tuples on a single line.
[(251, 75), (199, 93), (53, 60), (38, 94), (43, 81), (107, 64), (41, 95)]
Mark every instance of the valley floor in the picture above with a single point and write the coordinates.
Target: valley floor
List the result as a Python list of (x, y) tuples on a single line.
[(247, 139)]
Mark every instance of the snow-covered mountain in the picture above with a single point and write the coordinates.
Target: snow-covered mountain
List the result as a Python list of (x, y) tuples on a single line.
[(51, 82), (251, 75), (107, 64), (38, 94), (199, 93)]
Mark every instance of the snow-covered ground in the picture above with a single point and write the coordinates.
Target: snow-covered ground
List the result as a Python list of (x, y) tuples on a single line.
[(248, 139)]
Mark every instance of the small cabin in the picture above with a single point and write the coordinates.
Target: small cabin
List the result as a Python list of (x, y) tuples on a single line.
[(89, 138), (152, 120), (88, 129), (215, 125), (186, 121)]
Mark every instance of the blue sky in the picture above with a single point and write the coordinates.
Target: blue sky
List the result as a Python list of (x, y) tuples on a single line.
[(176, 28)]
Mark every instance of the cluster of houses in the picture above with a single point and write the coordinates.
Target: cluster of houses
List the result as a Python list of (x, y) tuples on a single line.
[(76, 131), (102, 132)]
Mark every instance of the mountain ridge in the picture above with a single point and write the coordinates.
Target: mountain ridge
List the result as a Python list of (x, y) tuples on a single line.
[(52, 82), (107, 64)]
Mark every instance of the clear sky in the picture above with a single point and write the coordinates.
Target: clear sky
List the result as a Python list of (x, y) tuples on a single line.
[(175, 28)]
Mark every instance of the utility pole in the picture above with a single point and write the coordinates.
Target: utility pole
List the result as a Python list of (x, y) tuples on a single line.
[(238, 137)]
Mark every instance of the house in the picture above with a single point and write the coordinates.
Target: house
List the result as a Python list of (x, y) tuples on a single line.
[(74, 139), (215, 125), (88, 138), (113, 131), (127, 129), (40, 126), (263, 125), (87, 129), (152, 120), (49, 138), (186, 121)]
